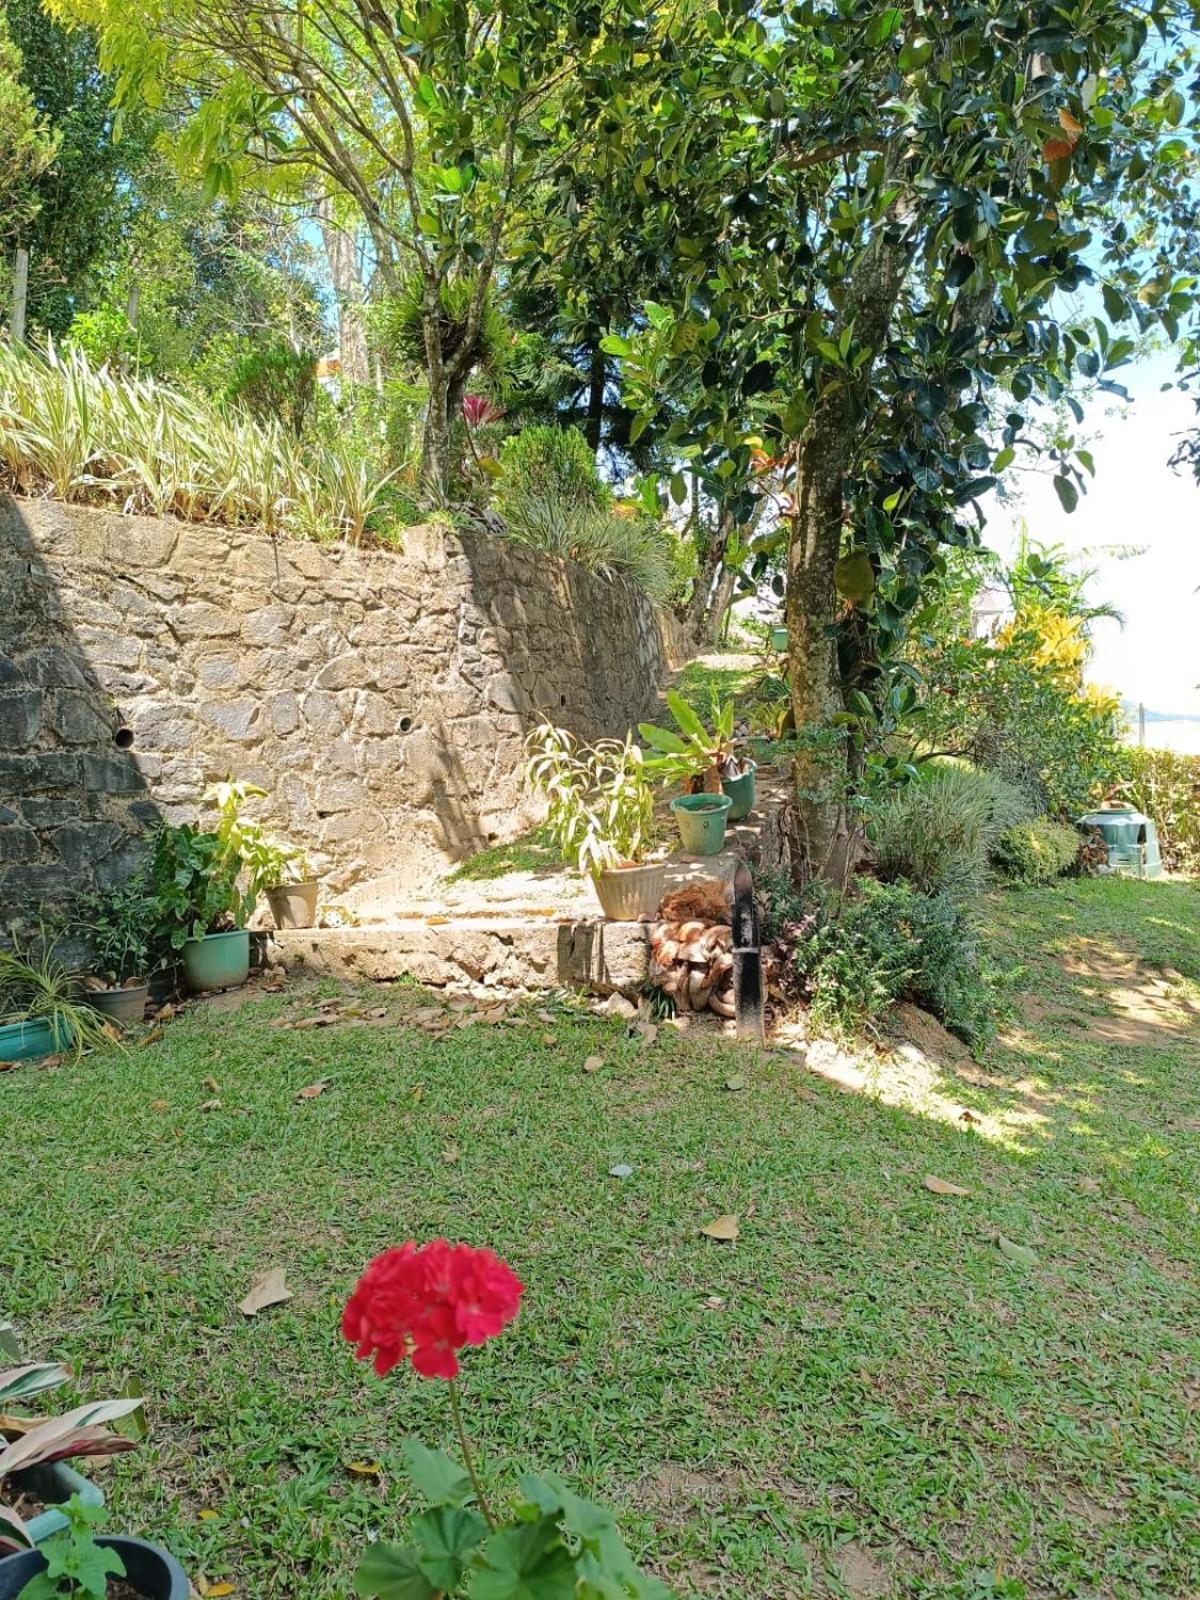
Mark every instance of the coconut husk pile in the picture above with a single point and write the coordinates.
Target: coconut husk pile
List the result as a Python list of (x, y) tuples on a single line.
[(691, 948)]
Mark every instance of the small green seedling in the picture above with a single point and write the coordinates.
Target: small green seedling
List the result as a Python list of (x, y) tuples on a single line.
[(75, 1564)]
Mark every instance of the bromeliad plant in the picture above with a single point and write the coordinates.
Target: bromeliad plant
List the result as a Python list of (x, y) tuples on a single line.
[(697, 757), (27, 1441), (601, 807), (424, 1304)]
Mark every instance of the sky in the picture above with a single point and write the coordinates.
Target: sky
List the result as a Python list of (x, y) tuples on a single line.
[(1137, 500)]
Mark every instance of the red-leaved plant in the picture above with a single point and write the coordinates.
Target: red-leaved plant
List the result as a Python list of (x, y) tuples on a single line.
[(425, 1304)]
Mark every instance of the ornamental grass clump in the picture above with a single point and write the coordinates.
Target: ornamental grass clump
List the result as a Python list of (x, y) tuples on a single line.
[(424, 1305)]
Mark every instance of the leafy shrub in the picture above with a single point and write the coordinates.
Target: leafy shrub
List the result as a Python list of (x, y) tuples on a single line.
[(1037, 851), (551, 465), (893, 943), (938, 834), (194, 878), (1166, 786), (278, 383)]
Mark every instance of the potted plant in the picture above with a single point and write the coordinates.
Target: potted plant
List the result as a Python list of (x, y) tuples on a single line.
[(272, 865), (75, 1563), (601, 816), (704, 761), (34, 1477), (200, 907), (41, 1010), (118, 928)]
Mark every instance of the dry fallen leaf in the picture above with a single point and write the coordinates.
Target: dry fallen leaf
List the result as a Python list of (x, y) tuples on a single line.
[(164, 1013), (211, 1085), (311, 1091), (712, 1302), (546, 1016), (549, 1038), (207, 1515), (152, 1037), (941, 1186), (211, 1105), (723, 1228), (268, 1289), (621, 1170), (450, 1154), (216, 1590), (377, 1013), (593, 1063), (159, 1105), (648, 1031), (365, 1469), (968, 1116), (735, 1083), (418, 1092), (1089, 1185)]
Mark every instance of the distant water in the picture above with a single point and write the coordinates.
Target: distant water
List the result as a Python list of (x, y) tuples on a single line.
[(1182, 735)]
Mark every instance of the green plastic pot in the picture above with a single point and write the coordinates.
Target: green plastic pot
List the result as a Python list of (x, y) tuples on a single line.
[(779, 639), (53, 1484), (26, 1041), (701, 819), (218, 961), (150, 1571), (741, 792)]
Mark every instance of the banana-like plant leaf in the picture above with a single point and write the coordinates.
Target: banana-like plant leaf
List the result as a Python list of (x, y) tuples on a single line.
[(662, 739), (18, 1383), (14, 1535), (73, 1434), (689, 723)]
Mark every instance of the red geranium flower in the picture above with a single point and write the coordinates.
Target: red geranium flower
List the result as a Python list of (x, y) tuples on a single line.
[(424, 1303)]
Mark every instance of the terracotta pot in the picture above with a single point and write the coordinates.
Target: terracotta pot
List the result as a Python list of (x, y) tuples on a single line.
[(293, 905), (629, 893)]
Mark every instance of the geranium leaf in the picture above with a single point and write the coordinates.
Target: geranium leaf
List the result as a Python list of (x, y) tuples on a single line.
[(446, 1538), (528, 1562), (391, 1572), (439, 1479)]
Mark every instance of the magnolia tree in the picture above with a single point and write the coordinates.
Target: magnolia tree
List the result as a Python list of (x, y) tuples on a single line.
[(441, 125), (897, 231)]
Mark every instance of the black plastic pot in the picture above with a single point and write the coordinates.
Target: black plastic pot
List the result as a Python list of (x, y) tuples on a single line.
[(151, 1570)]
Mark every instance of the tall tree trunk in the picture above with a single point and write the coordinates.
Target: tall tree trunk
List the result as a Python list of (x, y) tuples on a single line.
[(595, 406), (341, 252), (820, 772), (721, 600), (694, 613)]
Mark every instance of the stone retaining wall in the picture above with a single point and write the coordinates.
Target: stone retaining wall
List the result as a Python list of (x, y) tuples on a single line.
[(381, 698)]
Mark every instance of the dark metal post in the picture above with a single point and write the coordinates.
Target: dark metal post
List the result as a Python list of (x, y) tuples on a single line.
[(747, 957)]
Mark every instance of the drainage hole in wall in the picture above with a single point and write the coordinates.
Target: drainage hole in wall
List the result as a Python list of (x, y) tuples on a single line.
[(123, 738), (405, 724), (562, 699)]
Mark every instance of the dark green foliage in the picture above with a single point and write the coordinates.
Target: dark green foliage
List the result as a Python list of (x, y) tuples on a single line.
[(194, 880), (890, 942), (1037, 851), (84, 197), (119, 927), (276, 382)]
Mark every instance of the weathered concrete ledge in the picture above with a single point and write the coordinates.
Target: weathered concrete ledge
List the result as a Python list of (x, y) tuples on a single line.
[(518, 953)]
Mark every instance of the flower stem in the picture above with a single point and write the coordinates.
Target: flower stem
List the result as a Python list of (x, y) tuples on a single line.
[(456, 1409)]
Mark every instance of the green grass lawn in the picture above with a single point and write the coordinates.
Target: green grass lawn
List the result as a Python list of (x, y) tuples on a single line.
[(864, 1395)]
